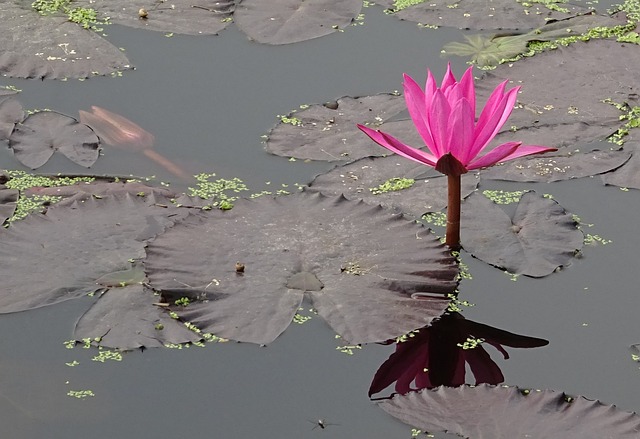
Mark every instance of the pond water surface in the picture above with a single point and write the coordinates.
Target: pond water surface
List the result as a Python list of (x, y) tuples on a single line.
[(208, 100)]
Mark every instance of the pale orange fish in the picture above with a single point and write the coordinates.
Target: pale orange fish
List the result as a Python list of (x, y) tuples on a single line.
[(118, 131)]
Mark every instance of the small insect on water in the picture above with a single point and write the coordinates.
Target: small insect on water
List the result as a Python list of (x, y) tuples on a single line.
[(320, 423)]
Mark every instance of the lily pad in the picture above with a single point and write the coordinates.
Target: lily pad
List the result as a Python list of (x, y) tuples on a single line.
[(436, 355), (86, 240), (492, 49), (328, 131), (488, 412), (377, 274), (496, 14), (11, 113), (291, 21), (37, 46), (628, 175), (126, 318), (539, 238), (41, 134), (570, 110), (204, 17), (557, 167), (371, 180)]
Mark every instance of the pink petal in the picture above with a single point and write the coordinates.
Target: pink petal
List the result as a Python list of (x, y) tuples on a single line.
[(494, 156), (468, 88), (430, 87), (487, 128), (394, 145), (439, 112), (415, 100), (449, 80), (507, 152), (525, 150), (461, 130)]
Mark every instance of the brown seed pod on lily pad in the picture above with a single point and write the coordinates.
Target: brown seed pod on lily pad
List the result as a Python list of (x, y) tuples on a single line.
[(370, 273), (491, 412)]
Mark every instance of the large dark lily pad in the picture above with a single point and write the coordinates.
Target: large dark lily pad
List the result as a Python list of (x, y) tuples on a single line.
[(52, 257), (290, 21), (203, 17), (36, 46), (362, 179), (488, 412), (126, 318), (569, 110), (328, 131), (41, 134), (469, 14), (540, 237), (371, 274)]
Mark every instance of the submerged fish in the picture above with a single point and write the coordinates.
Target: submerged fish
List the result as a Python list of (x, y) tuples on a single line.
[(118, 131)]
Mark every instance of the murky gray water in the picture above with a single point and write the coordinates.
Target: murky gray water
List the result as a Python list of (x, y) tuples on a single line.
[(208, 100)]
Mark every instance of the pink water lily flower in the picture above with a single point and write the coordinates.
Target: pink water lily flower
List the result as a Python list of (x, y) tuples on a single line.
[(445, 118)]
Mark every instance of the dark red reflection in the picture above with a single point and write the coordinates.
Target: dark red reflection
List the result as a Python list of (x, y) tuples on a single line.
[(436, 355)]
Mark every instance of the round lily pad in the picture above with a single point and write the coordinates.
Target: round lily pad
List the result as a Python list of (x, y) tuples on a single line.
[(41, 134), (539, 238), (51, 46), (489, 412), (370, 273)]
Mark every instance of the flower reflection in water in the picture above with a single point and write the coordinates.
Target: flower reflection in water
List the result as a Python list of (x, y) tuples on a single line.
[(438, 354), (120, 132)]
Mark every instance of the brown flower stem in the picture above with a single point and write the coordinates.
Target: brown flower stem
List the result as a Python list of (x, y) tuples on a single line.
[(453, 213)]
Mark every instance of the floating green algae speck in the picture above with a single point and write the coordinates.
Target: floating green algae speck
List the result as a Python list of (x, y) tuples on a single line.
[(393, 184), (81, 394), (503, 197), (436, 218), (631, 118), (291, 121), (590, 239), (25, 205), (105, 355), (300, 319), (218, 191), (470, 343)]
